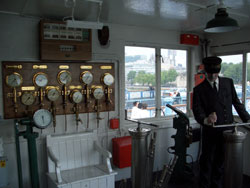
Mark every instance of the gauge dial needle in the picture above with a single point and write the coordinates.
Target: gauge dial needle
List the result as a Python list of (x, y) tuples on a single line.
[(14, 81), (27, 99), (43, 119), (66, 77)]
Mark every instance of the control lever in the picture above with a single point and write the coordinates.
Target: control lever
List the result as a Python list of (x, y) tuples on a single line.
[(231, 125), (141, 122)]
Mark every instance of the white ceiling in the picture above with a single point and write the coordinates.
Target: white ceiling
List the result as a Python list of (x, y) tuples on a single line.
[(181, 15)]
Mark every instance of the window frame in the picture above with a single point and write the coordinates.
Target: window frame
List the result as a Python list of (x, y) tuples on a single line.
[(244, 70), (157, 48)]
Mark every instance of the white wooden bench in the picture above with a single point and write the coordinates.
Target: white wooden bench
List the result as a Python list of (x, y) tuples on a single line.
[(78, 161)]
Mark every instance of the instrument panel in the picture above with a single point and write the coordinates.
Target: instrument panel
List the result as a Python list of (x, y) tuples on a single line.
[(30, 86)]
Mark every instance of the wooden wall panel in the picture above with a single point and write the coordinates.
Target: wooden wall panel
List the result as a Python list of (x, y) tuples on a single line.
[(27, 72)]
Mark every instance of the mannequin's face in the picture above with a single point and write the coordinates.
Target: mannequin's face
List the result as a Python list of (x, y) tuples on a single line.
[(212, 76)]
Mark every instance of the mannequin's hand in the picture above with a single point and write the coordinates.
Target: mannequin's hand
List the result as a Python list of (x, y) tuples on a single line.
[(212, 118)]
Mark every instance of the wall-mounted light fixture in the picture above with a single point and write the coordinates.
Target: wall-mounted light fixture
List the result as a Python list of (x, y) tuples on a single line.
[(71, 22), (84, 24)]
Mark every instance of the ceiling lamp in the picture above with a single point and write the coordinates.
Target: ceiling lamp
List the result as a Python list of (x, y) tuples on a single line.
[(222, 22)]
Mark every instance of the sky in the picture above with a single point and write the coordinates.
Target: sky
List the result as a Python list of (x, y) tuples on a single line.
[(232, 59), (181, 55), (145, 51)]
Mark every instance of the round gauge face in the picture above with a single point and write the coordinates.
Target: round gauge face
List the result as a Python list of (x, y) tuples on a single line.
[(40, 79), (27, 98), (14, 80), (53, 94), (86, 77), (108, 79), (42, 118), (76, 96), (98, 93), (64, 77)]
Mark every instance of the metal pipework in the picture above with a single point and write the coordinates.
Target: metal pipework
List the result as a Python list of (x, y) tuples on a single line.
[(139, 154), (166, 174), (233, 158), (31, 141), (231, 125), (150, 161)]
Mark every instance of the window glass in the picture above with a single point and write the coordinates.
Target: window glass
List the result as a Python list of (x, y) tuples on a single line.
[(173, 80), (139, 82), (248, 84), (231, 67)]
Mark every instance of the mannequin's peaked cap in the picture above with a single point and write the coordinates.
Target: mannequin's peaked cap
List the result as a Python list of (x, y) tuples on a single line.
[(213, 60)]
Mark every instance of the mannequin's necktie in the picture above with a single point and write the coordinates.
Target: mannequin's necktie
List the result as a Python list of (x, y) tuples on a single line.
[(215, 87)]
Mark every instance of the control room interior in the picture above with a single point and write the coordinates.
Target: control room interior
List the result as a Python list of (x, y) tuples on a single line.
[(72, 71)]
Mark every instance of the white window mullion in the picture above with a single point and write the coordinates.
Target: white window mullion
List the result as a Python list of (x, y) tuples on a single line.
[(158, 82), (244, 78)]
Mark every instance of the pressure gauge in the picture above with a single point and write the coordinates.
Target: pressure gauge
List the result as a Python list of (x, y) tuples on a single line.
[(98, 92), (28, 98), (76, 96), (14, 79), (64, 77), (53, 93), (108, 79), (42, 118), (86, 77), (40, 79)]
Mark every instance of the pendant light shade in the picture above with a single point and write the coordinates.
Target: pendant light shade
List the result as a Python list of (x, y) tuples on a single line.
[(221, 23)]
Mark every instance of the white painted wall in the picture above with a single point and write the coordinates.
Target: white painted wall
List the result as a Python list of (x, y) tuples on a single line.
[(19, 41), (236, 41)]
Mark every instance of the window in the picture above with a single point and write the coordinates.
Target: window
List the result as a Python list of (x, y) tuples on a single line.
[(140, 82), (231, 67), (173, 79), (142, 94), (248, 84)]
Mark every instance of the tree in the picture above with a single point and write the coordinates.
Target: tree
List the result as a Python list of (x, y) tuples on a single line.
[(168, 76), (164, 75), (224, 67), (131, 76), (172, 74), (233, 71), (140, 77), (150, 79), (145, 78), (248, 71)]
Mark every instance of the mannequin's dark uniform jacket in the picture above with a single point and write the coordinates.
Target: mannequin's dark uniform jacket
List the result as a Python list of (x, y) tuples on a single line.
[(206, 101)]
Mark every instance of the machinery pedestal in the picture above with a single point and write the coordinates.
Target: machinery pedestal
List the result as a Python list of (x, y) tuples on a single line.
[(139, 156), (233, 158)]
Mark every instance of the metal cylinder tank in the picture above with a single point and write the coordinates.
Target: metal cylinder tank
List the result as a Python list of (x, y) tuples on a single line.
[(139, 156), (233, 158)]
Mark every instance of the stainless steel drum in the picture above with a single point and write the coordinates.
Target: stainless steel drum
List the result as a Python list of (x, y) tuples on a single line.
[(233, 158), (139, 156)]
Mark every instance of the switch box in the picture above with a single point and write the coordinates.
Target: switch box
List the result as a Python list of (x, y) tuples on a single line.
[(114, 123), (189, 39), (122, 148)]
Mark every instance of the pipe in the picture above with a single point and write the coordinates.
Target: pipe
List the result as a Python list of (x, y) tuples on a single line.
[(233, 158), (18, 155), (139, 156)]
